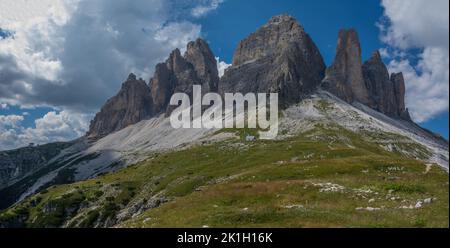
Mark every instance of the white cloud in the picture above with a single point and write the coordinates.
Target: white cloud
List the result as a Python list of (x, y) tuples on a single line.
[(417, 23), (62, 126), (422, 25), (427, 83), (221, 66), (32, 20), (18, 13), (178, 34), (205, 8), (10, 121), (57, 126)]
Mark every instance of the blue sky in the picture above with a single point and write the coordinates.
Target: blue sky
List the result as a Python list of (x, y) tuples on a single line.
[(59, 74)]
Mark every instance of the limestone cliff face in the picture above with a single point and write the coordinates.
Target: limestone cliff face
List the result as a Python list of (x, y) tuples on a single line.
[(367, 83), (137, 101), (175, 74), (400, 91), (179, 73), (162, 85), (132, 104), (379, 85), (279, 57), (202, 58), (344, 77), (387, 94)]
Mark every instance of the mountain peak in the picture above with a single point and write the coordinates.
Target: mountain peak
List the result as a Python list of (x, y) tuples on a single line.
[(269, 39), (367, 83), (132, 104), (344, 77), (199, 42), (281, 18), (278, 57), (199, 54), (179, 73), (131, 77)]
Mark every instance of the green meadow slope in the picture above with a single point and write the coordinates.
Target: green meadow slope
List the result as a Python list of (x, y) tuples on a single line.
[(324, 177)]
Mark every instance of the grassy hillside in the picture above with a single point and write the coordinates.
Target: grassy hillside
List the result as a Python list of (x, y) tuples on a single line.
[(326, 177)]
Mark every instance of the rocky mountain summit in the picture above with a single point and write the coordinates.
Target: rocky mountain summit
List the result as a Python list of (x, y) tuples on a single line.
[(179, 73), (279, 57), (132, 104)]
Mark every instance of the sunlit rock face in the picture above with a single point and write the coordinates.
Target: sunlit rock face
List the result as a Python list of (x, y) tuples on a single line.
[(132, 104)]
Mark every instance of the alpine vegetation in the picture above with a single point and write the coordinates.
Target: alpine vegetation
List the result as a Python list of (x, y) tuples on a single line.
[(230, 113)]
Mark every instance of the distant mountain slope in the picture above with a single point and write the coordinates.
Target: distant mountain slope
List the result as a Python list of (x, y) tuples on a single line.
[(18, 163)]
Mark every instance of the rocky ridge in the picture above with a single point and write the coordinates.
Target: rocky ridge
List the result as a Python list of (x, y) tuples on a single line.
[(280, 57), (367, 83), (137, 101)]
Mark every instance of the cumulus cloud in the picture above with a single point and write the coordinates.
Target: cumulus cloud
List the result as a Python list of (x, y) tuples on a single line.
[(206, 7), (51, 127), (427, 83), (417, 35), (73, 55), (8, 124), (8, 121)]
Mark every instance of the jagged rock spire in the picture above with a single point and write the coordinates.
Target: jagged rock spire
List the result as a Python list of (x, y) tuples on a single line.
[(400, 91), (132, 104), (344, 77), (379, 85), (387, 94), (202, 58), (367, 83), (180, 73), (137, 101)]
